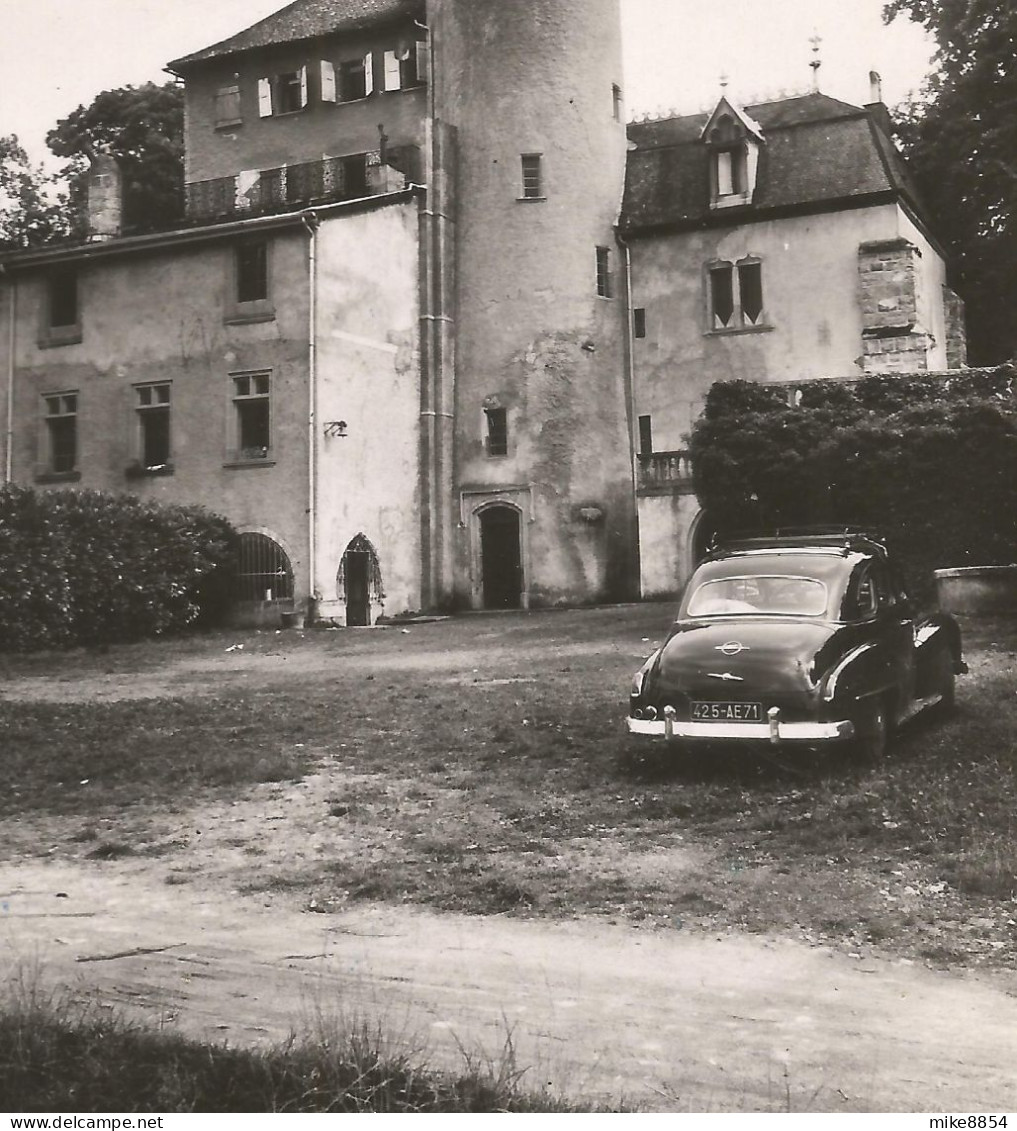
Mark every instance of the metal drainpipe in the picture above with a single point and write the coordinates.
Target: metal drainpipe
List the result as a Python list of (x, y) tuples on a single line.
[(310, 222), (430, 557), (630, 397), (9, 443)]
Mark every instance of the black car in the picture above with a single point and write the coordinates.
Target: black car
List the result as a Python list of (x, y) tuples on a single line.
[(799, 640)]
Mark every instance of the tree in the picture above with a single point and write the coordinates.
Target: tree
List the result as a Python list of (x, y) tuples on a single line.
[(143, 128), (32, 212), (929, 460), (961, 142)]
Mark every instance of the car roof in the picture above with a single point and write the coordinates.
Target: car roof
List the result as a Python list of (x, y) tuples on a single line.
[(840, 540)]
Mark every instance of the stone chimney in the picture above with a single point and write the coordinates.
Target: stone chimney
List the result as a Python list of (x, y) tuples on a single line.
[(876, 107), (105, 198)]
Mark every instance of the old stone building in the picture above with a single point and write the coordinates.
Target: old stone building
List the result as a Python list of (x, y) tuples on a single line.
[(778, 242), (436, 323)]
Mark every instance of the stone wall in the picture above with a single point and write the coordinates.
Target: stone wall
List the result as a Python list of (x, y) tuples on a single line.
[(893, 341)]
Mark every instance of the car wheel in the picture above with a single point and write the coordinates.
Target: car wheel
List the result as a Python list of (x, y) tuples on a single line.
[(872, 730), (944, 682)]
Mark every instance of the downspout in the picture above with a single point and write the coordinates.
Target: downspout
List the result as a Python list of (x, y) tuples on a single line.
[(9, 420), (630, 402), (310, 222), (433, 355)]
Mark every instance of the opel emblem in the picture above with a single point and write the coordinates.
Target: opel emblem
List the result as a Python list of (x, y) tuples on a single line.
[(731, 648)]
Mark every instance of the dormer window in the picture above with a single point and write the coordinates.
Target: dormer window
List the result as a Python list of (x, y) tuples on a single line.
[(732, 140), (730, 171)]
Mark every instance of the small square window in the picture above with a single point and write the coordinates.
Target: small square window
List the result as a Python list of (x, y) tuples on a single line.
[(532, 176), (60, 414), (750, 291), (355, 80), (227, 105), (401, 67), (722, 296), (496, 441), (251, 416), (605, 281), (63, 299), (251, 271), (288, 97), (736, 295), (354, 176), (152, 408)]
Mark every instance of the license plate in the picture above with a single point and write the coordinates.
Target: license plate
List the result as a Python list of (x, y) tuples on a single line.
[(728, 712)]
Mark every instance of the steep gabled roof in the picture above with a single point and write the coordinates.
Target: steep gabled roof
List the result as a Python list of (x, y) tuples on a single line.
[(816, 151), (301, 20)]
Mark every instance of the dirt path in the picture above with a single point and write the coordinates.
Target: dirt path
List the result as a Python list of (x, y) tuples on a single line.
[(676, 1022)]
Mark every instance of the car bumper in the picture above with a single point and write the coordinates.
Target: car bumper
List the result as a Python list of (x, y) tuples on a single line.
[(775, 731)]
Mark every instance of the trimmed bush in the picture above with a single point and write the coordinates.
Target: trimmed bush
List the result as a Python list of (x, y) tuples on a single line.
[(85, 567), (928, 460)]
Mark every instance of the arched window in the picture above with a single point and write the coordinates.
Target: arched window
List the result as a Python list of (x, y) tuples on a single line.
[(264, 572)]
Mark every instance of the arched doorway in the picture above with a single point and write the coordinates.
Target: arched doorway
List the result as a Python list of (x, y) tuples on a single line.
[(501, 560), (359, 582)]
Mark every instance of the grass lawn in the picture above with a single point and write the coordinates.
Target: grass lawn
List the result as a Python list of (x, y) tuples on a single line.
[(476, 764)]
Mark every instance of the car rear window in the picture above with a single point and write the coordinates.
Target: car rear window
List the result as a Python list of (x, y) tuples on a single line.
[(776, 595)]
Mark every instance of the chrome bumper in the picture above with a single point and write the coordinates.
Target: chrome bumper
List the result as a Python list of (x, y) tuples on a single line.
[(773, 731)]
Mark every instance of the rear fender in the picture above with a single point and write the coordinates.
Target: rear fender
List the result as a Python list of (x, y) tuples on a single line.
[(932, 637), (846, 676)]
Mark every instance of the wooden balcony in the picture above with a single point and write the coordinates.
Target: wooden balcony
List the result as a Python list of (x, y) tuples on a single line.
[(664, 473), (332, 179)]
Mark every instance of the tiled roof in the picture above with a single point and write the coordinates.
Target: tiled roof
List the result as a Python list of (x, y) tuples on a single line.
[(305, 19), (816, 150)]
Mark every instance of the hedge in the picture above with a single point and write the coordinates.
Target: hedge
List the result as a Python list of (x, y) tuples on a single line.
[(89, 568), (930, 461)]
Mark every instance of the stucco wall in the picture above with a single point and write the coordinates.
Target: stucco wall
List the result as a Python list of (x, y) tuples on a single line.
[(810, 295), (532, 333), (320, 129), (931, 279), (160, 316), (665, 538), (369, 377)]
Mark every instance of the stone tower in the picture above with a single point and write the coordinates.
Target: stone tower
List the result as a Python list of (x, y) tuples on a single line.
[(530, 93)]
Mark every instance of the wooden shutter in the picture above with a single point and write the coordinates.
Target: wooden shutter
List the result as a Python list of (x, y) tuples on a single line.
[(265, 98), (327, 81), (392, 71), (303, 86), (423, 61), (368, 73)]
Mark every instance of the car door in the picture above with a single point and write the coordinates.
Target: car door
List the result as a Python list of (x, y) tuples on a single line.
[(895, 618)]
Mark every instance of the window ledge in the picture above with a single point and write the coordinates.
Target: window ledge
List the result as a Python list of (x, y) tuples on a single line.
[(736, 200), (240, 316), (58, 477), (530, 199), (54, 336), (287, 113), (239, 462), (136, 471), (763, 328), (229, 123)]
